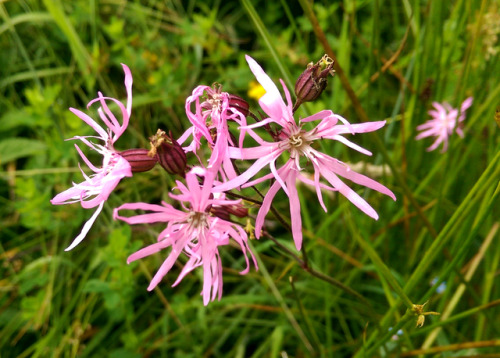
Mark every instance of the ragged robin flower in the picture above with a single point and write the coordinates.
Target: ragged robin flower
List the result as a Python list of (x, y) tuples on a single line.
[(297, 142), (96, 188), (192, 231), (213, 108), (445, 120)]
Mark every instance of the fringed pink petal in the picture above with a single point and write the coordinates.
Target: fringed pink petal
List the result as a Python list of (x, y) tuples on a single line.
[(350, 194), (271, 102), (264, 209), (128, 87), (295, 217), (102, 133), (249, 173), (352, 145), (86, 228), (162, 213), (165, 267), (317, 116), (346, 172)]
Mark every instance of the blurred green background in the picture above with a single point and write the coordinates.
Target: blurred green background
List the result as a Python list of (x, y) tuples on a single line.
[(440, 240)]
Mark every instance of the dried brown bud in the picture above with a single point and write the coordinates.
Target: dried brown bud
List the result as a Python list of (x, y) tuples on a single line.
[(139, 159), (312, 82), (170, 154)]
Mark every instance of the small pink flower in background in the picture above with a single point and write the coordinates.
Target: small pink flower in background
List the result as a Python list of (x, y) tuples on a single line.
[(444, 120), (297, 142), (209, 121), (192, 231), (96, 188)]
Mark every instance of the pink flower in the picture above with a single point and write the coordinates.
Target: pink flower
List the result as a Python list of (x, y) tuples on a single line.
[(209, 121), (444, 120), (96, 188), (297, 142), (192, 231)]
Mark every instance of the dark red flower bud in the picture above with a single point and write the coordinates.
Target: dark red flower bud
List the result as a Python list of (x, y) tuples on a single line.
[(237, 210), (220, 212), (170, 154), (224, 211), (312, 82), (239, 104), (139, 159)]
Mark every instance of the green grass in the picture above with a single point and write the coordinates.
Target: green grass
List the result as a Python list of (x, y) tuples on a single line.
[(362, 276)]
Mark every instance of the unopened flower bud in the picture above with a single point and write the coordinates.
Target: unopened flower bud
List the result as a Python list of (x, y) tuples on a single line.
[(220, 212), (237, 210), (418, 310), (224, 211), (139, 159), (420, 320), (170, 154), (312, 82), (239, 104)]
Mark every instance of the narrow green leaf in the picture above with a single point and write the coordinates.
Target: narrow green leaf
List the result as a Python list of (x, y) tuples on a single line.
[(14, 148)]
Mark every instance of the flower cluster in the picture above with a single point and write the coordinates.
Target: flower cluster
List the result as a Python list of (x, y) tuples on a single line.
[(201, 218)]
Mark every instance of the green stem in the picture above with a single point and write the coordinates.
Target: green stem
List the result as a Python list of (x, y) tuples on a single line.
[(380, 265), (409, 315), (247, 4), (490, 175), (305, 318), (288, 313), (456, 317), (318, 274)]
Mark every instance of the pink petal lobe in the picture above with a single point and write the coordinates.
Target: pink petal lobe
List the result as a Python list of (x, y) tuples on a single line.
[(102, 133), (350, 194), (86, 228), (466, 104), (128, 87), (264, 209), (295, 217), (271, 102)]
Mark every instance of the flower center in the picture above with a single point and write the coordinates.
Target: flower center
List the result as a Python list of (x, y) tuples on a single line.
[(215, 101), (295, 141), (109, 161), (299, 144), (197, 219)]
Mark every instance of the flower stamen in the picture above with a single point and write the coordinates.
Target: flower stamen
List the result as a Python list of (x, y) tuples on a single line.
[(296, 141), (197, 219)]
